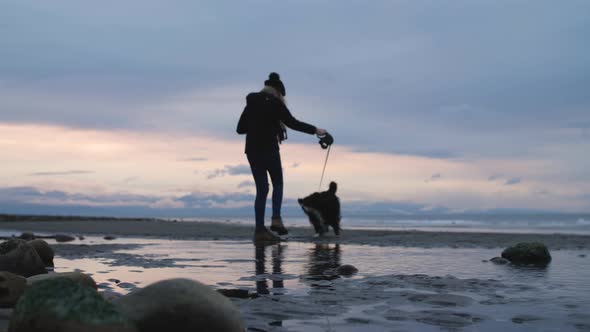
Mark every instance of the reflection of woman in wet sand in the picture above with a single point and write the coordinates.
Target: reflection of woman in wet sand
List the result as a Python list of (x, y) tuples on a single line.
[(323, 261), (277, 258)]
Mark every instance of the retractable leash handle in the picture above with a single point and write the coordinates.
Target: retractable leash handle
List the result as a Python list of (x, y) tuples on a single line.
[(326, 142)]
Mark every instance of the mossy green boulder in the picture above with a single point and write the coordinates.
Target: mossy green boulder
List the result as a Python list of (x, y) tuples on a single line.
[(180, 305), (528, 253), (79, 277), (63, 305)]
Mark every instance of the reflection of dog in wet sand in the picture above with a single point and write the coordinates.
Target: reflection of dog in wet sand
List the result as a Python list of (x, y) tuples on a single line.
[(323, 210), (324, 259)]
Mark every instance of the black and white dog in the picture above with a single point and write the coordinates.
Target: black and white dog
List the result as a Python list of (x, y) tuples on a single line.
[(323, 210)]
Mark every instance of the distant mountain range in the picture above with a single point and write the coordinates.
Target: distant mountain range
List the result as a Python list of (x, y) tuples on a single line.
[(380, 210)]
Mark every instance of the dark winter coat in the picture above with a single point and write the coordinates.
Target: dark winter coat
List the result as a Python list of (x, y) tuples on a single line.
[(261, 122)]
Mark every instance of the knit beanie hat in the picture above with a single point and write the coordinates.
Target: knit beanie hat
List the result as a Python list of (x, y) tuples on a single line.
[(274, 80)]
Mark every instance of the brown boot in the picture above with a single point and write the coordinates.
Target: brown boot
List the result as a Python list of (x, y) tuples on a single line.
[(276, 225), (265, 236)]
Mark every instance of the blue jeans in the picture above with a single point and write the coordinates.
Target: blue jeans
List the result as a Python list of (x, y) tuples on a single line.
[(261, 164)]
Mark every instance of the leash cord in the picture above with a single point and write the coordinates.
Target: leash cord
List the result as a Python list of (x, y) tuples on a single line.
[(324, 170)]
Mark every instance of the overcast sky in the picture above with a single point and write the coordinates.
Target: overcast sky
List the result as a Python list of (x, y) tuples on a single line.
[(458, 105)]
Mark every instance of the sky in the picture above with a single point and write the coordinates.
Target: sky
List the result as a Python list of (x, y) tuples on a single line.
[(130, 108)]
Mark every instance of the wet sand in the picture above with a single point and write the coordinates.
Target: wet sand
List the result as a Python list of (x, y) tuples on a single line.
[(296, 287), (234, 231)]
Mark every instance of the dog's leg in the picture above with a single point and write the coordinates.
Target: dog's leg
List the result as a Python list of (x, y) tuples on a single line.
[(317, 225), (315, 218), (322, 224), (337, 229)]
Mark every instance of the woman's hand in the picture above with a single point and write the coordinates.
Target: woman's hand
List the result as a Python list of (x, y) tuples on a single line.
[(320, 132)]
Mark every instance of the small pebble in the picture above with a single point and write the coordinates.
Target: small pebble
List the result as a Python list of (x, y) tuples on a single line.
[(236, 293), (27, 236), (64, 238), (499, 260), (126, 285)]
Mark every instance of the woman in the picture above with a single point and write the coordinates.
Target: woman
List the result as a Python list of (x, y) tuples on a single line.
[(263, 121)]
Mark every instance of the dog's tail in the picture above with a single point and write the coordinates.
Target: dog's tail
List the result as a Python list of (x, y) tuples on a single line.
[(333, 187)]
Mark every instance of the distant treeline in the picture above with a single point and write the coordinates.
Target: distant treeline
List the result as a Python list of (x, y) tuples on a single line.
[(20, 217)]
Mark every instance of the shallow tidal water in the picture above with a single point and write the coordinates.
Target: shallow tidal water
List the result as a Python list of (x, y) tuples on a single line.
[(396, 289)]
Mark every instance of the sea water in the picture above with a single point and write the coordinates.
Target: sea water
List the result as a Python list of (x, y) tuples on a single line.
[(498, 223), (557, 297)]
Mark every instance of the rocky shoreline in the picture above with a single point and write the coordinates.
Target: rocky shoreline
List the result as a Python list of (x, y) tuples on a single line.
[(365, 303), (36, 299), (334, 300)]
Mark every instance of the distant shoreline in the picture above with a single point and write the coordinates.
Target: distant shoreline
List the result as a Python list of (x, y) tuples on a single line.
[(22, 217), (230, 231)]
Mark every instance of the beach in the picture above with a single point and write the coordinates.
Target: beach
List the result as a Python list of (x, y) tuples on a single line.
[(234, 231), (406, 281)]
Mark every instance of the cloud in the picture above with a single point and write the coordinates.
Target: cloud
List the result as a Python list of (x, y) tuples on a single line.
[(196, 159), (130, 179), (429, 97), (542, 192), (72, 172), (33, 195), (245, 184), (433, 178), (495, 177), (216, 173), (31, 200), (238, 170), (230, 170), (513, 181), (579, 125), (422, 85), (295, 165), (167, 203)]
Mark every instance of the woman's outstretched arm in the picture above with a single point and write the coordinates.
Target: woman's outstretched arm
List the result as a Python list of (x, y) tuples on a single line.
[(295, 124)]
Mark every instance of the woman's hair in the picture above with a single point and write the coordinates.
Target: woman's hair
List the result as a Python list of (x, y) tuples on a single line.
[(272, 91), (281, 130)]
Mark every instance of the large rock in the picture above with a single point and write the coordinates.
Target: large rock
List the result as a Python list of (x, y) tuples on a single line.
[(535, 253), (79, 277), (18, 256), (65, 306), (12, 286), (44, 251), (180, 305), (10, 245)]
